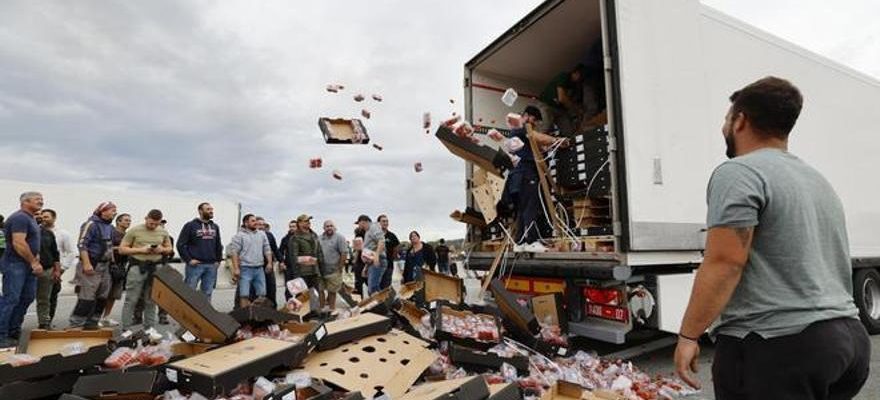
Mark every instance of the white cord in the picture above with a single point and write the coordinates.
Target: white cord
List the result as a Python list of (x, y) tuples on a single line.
[(590, 186)]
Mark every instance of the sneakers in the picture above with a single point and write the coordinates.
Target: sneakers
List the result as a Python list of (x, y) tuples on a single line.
[(108, 323), (535, 247)]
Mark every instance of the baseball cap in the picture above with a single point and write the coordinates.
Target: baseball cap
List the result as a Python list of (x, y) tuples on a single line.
[(363, 218), (303, 218)]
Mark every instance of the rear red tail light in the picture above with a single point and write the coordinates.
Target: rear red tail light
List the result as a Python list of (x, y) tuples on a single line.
[(604, 296)]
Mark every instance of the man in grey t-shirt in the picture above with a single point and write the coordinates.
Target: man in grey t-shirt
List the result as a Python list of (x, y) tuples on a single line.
[(374, 241), (776, 274), (335, 253)]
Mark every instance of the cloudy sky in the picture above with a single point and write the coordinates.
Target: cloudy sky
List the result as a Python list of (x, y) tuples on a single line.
[(222, 98)]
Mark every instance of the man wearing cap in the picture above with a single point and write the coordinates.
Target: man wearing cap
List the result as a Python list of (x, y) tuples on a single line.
[(93, 270), (335, 252), (373, 254), (146, 245), (20, 266), (304, 250)]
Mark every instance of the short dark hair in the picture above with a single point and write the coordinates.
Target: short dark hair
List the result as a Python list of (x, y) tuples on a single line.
[(202, 205), (121, 216), (245, 218), (155, 215), (442, 241), (379, 218), (533, 111), (772, 105), (50, 211)]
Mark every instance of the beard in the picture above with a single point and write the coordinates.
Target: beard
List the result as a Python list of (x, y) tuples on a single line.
[(731, 145)]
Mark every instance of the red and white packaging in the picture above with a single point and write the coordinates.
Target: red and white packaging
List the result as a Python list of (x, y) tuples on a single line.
[(377, 97), (449, 123), (296, 286), (334, 88), (315, 163), (337, 174), (512, 145), (495, 135), (358, 97), (463, 129), (121, 357), (366, 113), (418, 167), (18, 360)]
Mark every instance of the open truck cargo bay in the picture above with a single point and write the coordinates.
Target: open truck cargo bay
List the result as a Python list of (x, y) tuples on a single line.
[(669, 70)]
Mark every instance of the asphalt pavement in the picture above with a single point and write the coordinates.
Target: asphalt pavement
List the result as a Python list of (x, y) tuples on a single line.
[(655, 362)]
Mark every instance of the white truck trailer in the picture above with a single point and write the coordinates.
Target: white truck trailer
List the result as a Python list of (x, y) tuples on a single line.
[(669, 68)]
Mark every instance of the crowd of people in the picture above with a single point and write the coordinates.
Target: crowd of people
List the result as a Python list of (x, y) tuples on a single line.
[(112, 258)]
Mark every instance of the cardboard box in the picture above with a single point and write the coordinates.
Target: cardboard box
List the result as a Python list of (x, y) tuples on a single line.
[(191, 349), (140, 385), (412, 316), (469, 216), (410, 289), (487, 158), (550, 307), (471, 388), (317, 391), (442, 334), (378, 303), (311, 333), (42, 388), (342, 131), (391, 363), (479, 361), (215, 372), (505, 391), (191, 308), (354, 328), (563, 390), (513, 311), (48, 344), (261, 315), (548, 349), (442, 287)]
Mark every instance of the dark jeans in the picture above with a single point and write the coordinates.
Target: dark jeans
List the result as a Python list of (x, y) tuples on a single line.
[(828, 360), (19, 291), (359, 280), (531, 220), (387, 275)]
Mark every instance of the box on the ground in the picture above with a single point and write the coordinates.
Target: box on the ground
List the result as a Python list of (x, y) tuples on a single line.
[(514, 312), (41, 388), (412, 316), (309, 333), (409, 289), (379, 302), (139, 385), (470, 388), (391, 363), (487, 158), (217, 371), (48, 345), (191, 308), (183, 349), (444, 333), (505, 391), (316, 391), (550, 307), (480, 361), (343, 131), (442, 287), (261, 314), (563, 390), (354, 328), (535, 342)]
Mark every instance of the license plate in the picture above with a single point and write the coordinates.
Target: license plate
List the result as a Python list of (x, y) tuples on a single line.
[(608, 312)]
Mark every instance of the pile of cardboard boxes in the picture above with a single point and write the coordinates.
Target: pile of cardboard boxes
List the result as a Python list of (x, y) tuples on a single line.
[(392, 345)]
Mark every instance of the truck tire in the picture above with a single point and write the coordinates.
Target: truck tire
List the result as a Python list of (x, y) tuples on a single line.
[(866, 291)]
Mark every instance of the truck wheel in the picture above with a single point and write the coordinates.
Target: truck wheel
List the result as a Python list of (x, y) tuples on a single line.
[(866, 290)]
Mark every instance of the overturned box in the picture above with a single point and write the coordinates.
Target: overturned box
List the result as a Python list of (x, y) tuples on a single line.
[(343, 131), (359, 326), (138, 385), (479, 361), (218, 371), (489, 159), (514, 312), (191, 308), (471, 388)]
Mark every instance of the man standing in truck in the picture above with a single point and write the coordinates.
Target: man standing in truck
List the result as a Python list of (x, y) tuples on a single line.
[(776, 268)]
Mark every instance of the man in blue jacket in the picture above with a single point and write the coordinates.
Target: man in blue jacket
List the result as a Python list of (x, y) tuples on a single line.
[(200, 248), (93, 271)]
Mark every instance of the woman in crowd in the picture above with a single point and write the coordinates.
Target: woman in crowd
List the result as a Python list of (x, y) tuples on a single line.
[(416, 257)]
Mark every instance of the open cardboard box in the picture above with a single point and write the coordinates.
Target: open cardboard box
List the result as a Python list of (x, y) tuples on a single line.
[(442, 334), (218, 371), (410, 289), (389, 363), (191, 308), (360, 326), (137, 385), (40, 388), (487, 158), (471, 388), (514, 312), (316, 391), (563, 390), (412, 315), (441, 287), (479, 361), (379, 302), (550, 308), (341, 130), (48, 345)]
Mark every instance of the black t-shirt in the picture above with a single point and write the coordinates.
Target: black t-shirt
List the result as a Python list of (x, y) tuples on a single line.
[(442, 253), (391, 242)]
